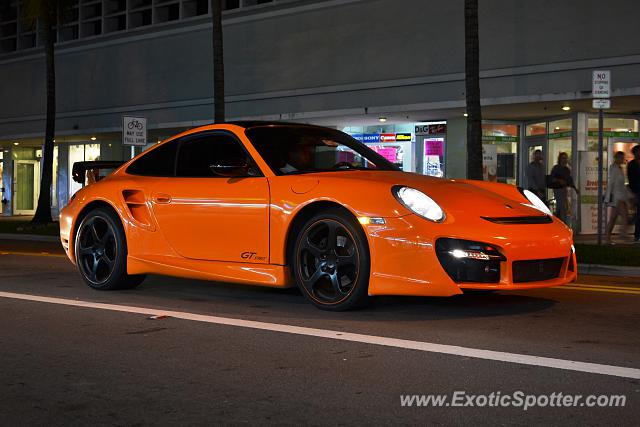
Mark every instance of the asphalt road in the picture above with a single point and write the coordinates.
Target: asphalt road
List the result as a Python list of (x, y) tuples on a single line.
[(62, 364)]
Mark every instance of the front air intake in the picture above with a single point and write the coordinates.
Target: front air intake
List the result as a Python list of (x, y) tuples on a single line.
[(469, 261)]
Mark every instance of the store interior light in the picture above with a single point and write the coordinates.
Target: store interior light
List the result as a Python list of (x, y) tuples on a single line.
[(93, 138), (16, 143), (557, 127), (382, 119), (566, 108), (466, 115)]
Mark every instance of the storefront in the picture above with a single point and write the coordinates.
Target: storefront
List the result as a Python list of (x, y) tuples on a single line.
[(414, 147), (500, 143)]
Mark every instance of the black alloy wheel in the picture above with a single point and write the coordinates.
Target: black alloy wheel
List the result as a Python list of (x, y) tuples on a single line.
[(331, 264), (100, 249)]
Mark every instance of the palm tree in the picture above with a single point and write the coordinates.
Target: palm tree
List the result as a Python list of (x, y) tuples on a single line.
[(472, 80), (218, 61), (44, 15)]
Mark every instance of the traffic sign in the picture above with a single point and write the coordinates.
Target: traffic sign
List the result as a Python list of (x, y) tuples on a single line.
[(601, 104), (134, 131), (601, 84)]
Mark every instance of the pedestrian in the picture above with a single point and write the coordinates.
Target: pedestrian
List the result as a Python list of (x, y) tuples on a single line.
[(633, 174), (616, 196), (535, 176), (561, 181)]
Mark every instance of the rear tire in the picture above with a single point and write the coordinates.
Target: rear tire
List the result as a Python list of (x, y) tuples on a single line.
[(101, 252), (331, 261)]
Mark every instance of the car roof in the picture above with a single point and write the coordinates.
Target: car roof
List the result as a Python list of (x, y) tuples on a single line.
[(248, 124)]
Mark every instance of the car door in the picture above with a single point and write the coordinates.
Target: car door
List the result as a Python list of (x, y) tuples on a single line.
[(204, 215)]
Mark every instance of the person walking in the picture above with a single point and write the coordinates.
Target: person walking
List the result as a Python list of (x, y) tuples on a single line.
[(561, 181), (535, 176), (616, 196), (633, 174)]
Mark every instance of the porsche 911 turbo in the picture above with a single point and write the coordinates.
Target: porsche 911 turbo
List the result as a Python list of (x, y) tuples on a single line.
[(282, 204)]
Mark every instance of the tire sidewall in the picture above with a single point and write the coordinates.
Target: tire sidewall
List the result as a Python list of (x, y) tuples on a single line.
[(359, 293), (119, 274)]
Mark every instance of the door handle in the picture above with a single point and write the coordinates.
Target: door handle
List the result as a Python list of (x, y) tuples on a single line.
[(162, 199)]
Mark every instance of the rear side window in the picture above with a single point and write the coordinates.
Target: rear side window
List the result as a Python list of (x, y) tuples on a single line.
[(159, 161), (198, 155)]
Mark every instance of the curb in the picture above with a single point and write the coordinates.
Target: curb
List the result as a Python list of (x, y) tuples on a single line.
[(608, 270), (29, 237)]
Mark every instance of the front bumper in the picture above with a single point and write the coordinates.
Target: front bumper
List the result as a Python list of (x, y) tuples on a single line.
[(404, 259)]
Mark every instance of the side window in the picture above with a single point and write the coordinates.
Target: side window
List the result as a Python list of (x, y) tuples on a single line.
[(159, 161), (201, 155)]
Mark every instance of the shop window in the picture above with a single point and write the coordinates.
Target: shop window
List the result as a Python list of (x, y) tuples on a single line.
[(2, 189), (81, 153), (561, 126), (536, 129), (500, 151)]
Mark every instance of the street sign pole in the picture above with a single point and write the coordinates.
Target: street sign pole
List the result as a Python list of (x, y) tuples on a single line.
[(600, 174), (601, 91)]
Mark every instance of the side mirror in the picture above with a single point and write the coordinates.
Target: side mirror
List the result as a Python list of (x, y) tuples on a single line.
[(230, 168)]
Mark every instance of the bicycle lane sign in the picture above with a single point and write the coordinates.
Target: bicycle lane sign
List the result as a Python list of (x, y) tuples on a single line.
[(134, 131)]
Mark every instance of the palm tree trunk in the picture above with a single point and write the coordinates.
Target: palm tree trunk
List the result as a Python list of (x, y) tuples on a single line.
[(43, 211), (472, 80), (218, 61)]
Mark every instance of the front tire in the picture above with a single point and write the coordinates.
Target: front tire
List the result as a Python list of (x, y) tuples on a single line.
[(101, 252), (331, 261)]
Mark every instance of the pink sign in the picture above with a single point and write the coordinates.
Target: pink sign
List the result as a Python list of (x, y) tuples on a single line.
[(433, 147), (389, 153)]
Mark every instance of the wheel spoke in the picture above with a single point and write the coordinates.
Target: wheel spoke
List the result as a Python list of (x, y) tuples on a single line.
[(94, 268), (316, 251), (94, 232), (86, 251), (332, 235), (311, 281), (335, 282), (107, 261)]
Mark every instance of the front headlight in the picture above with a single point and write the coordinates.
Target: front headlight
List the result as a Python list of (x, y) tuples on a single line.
[(535, 201), (418, 202)]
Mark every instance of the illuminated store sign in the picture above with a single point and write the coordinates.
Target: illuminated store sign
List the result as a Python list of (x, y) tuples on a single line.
[(382, 137)]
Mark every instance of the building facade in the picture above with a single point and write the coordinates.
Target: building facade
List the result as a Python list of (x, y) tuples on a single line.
[(391, 73)]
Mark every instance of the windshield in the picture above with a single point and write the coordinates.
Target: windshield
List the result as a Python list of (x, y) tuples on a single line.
[(302, 149)]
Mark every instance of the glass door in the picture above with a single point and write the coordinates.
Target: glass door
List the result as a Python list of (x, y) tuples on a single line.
[(26, 176)]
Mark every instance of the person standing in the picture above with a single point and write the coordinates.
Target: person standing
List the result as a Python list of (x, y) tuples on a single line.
[(535, 176), (633, 174), (561, 181), (616, 196)]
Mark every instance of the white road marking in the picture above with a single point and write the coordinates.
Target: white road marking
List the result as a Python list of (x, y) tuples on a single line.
[(523, 359)]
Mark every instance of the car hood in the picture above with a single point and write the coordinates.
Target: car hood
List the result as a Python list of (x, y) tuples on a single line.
[(454, 196)]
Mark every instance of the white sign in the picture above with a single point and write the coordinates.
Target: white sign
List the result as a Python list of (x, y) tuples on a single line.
[(134, 131), (601, 84), (601, 104), (489, 162)]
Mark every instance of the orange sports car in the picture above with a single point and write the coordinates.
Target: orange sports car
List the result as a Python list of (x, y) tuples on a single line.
[(281, 204)]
